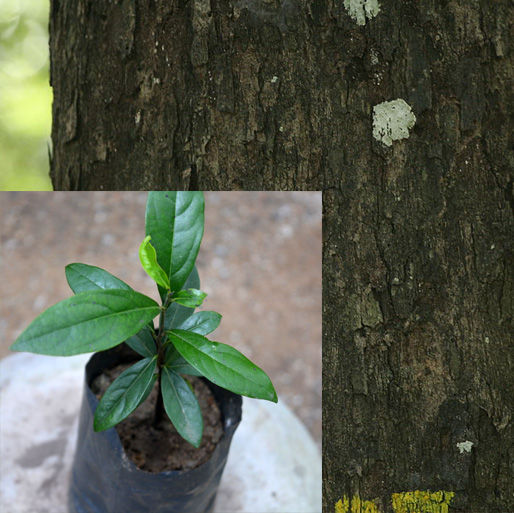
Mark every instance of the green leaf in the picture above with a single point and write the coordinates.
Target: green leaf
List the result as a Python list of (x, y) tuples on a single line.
[(182, 407), (223, 365), (202, 323), (190, 297), (148, 390), (143, 342), (176, 314), (148, 259), (180, 366), (125, 394), (90, 321), (174, 220), (175, 362), (82, 277)]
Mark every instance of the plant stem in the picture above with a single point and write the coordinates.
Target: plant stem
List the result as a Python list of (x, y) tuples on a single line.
[(159, 405), (161, 328)]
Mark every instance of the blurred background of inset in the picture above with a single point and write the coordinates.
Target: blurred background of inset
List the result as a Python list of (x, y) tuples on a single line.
[(25, 95), (260, 263)]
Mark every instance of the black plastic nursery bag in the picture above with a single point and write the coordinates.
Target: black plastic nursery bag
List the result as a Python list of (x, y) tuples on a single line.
[(104, 480)]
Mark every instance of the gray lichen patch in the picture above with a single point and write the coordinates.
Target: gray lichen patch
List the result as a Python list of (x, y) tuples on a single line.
[(392, 121), (465, 446), (362, 10)]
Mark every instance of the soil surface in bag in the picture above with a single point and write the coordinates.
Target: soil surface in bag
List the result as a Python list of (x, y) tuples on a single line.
[(162, 448)]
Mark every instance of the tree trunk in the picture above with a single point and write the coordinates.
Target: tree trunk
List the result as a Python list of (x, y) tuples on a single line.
[(269, 94), (418, 353), (205, 94)]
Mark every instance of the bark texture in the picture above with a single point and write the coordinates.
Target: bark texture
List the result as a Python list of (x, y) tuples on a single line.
[(418, 249), (264, 94), (418, 353), (202, 94)]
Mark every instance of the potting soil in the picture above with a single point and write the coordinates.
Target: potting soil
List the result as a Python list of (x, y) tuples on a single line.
[(161, 448)]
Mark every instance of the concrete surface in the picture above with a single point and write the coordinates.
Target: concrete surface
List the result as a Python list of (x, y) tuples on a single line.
[(274, 465), (260, 263)]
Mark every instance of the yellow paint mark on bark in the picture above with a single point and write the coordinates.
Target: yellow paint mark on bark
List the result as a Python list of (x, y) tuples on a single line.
[(342, 507), (416, 501), (356, 505), (422, 501)]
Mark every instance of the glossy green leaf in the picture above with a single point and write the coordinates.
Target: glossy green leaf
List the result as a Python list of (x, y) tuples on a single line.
[(89, 321), (148, 390), (125, 394), (175, 362), (182, 406), (82, 277), (223, 365), (143, 342), (190, 297), (203, 323), (175, 220), (177, 314), (148, 259)]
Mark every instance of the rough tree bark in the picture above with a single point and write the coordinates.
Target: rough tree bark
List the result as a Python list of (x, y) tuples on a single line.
[(191, 93), (418, 353), (418, 274)]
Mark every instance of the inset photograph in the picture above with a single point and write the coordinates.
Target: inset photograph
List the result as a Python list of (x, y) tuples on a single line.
[(161, 352)]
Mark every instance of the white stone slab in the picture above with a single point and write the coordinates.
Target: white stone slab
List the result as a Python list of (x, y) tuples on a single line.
[(273, 465)]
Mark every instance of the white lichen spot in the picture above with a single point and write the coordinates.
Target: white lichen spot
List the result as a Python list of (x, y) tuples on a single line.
[(274, 79), (373, 56), (392, 121), (137, 117), (362, 10), (464, 446)]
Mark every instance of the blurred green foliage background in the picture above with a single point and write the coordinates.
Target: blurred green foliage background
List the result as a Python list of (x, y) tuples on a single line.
[(25, 95)]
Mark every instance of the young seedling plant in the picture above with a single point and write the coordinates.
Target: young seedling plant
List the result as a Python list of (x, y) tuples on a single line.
[(105, 312)]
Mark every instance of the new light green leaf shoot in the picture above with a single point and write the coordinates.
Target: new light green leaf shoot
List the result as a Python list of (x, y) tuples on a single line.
[(148, 259)]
